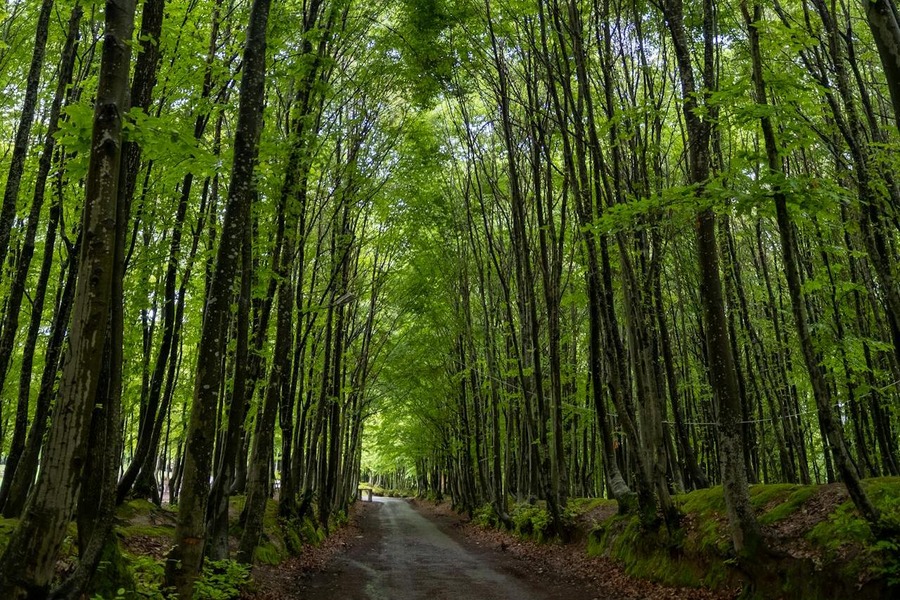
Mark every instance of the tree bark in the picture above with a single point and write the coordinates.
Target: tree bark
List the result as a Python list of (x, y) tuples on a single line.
[(27, 566), (23, 131), (184, 562), (884, 22), (745, 532), (17, 287)]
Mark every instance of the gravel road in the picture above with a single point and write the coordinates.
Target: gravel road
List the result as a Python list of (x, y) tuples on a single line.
[(402, 555)]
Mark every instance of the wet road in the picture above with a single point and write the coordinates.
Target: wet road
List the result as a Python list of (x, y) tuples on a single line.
[(405, 556)]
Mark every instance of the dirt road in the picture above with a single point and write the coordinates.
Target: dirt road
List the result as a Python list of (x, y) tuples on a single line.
[(402, 555)]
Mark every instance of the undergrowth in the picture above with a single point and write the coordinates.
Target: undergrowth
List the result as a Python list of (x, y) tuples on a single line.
[(530, 521), (219, 580), (840, 556)]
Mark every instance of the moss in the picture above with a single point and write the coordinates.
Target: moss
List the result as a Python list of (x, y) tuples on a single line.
[(134, 508), (113, 575), (764, 495), (793, 503), (311, 532), (270, 516), (847, 560), (268, 554), (653, 555), (237, 502), (6, 528), (585, 505), (292, 539), (703, 502), (709, 537), (146, 530)]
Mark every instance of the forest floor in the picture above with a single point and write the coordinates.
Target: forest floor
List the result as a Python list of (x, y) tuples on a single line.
[(405, 550), (416, 549), (411, 549)]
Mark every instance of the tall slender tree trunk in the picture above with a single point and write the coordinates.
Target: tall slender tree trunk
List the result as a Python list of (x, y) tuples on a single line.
[(184, 562), (221, 486), (17, 287), (828, 420), (28, 562), (23, 131), (264, 438), (884, 22), (745, 532), (23, 477)]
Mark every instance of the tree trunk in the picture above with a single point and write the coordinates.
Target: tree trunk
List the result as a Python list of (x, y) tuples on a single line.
[(745, 532), (17, 287), (884, 21), (23, 131), (185, 560), (26, 567)]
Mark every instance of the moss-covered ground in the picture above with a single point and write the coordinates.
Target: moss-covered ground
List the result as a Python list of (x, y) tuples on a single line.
[(819, 546), (134, 566)]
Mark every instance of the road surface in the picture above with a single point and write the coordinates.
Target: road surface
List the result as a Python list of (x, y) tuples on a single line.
[(405, 556)]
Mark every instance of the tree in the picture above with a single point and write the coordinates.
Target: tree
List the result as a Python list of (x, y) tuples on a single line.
[(26, 568), (183, 564)]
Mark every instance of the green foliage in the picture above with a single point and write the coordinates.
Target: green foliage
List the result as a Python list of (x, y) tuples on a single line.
[(534, 521), (149, 577), (399, 493), (221, 580), (485, 516), (427, 56), (889, 549), (843, 526)]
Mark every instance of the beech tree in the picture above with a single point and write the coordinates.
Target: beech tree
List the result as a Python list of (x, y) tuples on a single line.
[(496, 252), (27, 567)]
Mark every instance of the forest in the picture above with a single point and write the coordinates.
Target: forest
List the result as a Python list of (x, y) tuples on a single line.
[(495, 251)]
